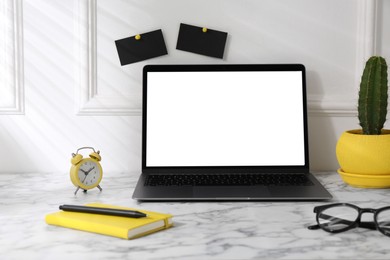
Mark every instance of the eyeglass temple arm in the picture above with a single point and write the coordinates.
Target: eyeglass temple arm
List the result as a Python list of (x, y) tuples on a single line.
[(364, 224)]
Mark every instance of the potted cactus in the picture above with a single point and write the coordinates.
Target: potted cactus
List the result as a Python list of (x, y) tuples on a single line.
[(372, 107), (364, 154)]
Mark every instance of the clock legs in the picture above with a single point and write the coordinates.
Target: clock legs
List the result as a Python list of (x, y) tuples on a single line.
[(85, 191), (78, 187)]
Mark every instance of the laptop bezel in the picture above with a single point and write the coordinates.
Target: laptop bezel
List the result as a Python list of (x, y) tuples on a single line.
[(223, 169)]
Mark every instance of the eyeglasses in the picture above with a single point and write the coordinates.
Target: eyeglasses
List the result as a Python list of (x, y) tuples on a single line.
[(340, 217)]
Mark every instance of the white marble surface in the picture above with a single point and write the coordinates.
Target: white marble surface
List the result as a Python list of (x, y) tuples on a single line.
[(218, 230)]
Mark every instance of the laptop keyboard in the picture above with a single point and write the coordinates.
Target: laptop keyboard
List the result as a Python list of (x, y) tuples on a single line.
[(228, 179)]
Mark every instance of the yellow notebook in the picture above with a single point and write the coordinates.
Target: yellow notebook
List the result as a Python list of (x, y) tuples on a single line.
[(123, 227)]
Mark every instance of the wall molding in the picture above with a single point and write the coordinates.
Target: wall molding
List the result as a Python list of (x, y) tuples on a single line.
[(89, 101), (366, 36), (327, 108), (15, 17)]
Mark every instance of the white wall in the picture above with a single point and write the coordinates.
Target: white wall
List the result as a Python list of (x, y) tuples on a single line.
[(66, 89)]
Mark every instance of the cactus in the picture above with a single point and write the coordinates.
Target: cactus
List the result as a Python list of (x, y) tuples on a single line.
[(372, 107)]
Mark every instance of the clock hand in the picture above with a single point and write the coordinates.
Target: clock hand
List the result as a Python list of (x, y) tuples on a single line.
[(86, 175), (90, 169)]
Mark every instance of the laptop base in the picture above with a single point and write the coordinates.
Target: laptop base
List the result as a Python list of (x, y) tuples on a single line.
[(231, 193)]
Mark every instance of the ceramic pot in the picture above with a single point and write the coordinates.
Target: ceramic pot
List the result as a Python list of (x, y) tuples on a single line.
[(364, 159)]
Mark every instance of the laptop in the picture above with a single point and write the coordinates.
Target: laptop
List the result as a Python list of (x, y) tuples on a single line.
[(225, 132)]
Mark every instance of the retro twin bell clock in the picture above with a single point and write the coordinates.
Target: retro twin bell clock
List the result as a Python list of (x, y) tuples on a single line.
[(86, 173)]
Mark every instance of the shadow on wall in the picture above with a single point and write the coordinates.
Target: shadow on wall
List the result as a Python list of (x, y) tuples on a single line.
[(324, 132), (322, 144), (13, 152)]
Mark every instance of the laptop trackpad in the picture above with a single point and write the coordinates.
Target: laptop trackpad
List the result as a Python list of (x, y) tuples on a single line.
[(230, 192)]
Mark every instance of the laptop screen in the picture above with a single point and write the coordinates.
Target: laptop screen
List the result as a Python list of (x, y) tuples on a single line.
[(224, 115)]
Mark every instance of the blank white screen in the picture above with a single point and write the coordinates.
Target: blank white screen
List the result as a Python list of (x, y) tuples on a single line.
[(225, 119)]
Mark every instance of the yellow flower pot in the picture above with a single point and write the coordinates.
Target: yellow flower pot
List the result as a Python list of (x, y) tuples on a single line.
[(362, 156)]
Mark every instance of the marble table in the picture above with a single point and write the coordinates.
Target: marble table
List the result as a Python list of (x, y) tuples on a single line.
[(203, 230)]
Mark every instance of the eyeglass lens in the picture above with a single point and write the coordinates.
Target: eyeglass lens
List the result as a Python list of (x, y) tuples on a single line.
[(383, 220), (338, 218)]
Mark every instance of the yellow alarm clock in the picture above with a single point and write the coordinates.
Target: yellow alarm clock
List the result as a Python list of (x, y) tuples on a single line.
[(86, 173)]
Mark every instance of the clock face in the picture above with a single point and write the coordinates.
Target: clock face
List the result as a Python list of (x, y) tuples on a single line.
[(89, 173)]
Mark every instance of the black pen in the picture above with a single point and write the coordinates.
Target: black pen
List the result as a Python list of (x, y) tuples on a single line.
[(103, 211)]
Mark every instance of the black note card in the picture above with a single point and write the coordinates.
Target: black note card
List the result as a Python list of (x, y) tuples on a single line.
[(141, 47), (201, 40)]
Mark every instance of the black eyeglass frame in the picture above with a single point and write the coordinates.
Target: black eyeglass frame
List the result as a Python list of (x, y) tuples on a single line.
[(357, 223)]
